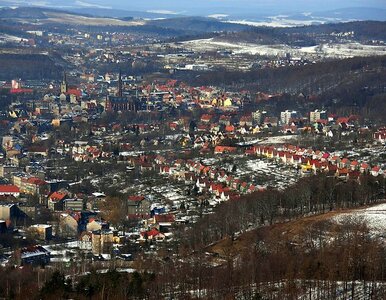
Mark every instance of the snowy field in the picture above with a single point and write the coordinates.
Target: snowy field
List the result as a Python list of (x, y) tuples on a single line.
[(283, 139), (374, 217), (323, 50)]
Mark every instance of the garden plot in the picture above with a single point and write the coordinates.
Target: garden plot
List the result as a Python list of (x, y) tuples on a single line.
[(267, 173)]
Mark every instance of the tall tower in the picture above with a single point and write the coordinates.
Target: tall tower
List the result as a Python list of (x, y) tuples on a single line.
[(63, 85), (120, 91)]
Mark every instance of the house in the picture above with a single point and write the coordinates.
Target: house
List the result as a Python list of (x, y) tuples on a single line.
[(138, 206), (380, 136), (9, 190), (224, 149), (342, 173), (152, 234), (206, 118), (69, 224), (33, 255), (85, 240), (375, 171), (56, 201), (94, 225)]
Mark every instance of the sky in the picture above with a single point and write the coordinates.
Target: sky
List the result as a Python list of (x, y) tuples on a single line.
[(207, 7), (238, 5)]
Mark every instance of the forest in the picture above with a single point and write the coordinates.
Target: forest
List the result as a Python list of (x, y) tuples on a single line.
[(28, 66)]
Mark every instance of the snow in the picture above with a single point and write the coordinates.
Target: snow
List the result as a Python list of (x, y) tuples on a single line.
[(325, 50), (283, 139), (374, 217)]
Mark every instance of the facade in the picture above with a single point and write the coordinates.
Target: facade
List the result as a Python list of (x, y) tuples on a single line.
[(138, 205), (102, 242), (69, 225), (9, 212), (42, 231), (286, 116), (318, 115), (73, 204), (123, 103)]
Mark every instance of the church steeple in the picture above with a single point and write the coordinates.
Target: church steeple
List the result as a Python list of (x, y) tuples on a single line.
[(63, 85), (120, 88)]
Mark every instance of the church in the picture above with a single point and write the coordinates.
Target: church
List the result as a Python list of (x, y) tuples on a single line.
[(121, 102)]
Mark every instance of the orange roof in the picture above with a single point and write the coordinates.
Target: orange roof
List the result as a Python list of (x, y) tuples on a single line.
[(36, 181), (57, 196), (9, 189)]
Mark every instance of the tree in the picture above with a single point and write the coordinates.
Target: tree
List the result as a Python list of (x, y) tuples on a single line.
[(114, 210)]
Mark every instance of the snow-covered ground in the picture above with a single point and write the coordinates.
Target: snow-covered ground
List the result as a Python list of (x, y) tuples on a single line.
[(374, 217), (285, 21), (283, 139), (4, 38), (324, 50)]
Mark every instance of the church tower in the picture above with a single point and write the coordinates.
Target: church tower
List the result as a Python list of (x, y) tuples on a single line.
[(63, 85), (120, 87)]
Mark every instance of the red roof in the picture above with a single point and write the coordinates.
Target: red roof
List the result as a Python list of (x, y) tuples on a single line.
[(36, 181), (21, 91), (149, 233), (57, 196), (136, 198), (9, 189), (165, 218), (75, 92)]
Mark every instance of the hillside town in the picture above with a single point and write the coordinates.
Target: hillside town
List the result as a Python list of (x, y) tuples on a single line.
[(152, 155), (172, 151)]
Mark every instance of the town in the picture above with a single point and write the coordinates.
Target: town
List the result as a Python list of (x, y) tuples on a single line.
[(111, 156)]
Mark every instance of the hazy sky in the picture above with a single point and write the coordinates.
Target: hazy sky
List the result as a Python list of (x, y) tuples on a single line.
[(205, 7)]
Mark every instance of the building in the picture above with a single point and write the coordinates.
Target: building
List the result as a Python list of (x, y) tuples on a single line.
[(64, 85), (41, 231), (258, 116), (3, 226), (120, 102), (287, 116), (34, 186), (138, 206), (7, 170), (56, 201), (9, 190), (73, 204), (318, 115), (94, 225), (102, 241), (33, 255), (69, 224), (11, 212)]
